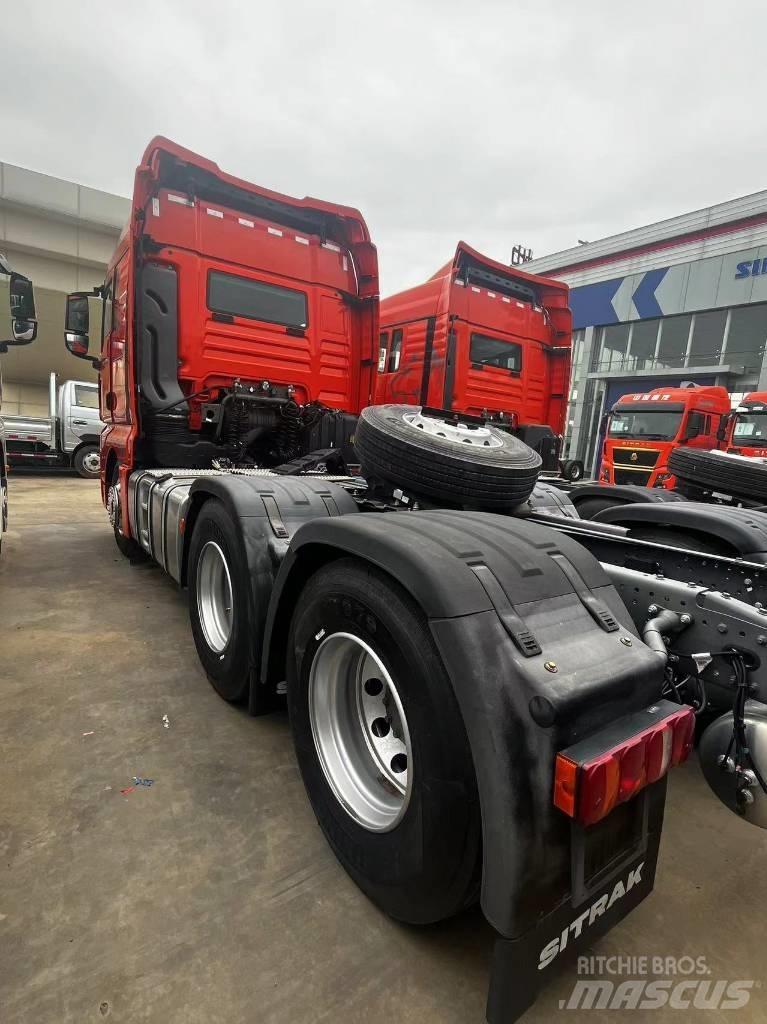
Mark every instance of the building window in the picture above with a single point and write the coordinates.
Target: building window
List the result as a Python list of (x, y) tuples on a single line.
[(672, 348), (612, 348), (736, 336), (746, 337), (644, 338), (256, 300), (707, 338)]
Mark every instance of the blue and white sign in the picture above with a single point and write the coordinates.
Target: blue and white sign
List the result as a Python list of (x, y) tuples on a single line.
[(603, 303), (713, 283)]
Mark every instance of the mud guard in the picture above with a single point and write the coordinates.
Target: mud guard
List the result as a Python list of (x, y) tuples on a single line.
[(744, 530), (541, 652)]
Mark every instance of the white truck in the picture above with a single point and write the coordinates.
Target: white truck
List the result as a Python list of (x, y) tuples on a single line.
[(21, 331), (67, 437)]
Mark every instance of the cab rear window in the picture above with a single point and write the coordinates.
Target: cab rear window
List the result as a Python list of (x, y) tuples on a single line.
[(486, 351), (256, 300)]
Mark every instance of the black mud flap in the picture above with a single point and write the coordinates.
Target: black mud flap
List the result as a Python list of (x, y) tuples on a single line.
[(522, 966)]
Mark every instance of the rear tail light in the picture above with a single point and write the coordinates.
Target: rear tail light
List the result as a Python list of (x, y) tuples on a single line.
[(588, 787)]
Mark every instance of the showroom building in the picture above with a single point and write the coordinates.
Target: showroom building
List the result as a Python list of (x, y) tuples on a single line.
[(684, 299), (61, 235)]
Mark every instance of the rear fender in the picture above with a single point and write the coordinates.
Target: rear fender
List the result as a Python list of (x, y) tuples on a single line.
[(622, 494), (741, 529), (539, 649)]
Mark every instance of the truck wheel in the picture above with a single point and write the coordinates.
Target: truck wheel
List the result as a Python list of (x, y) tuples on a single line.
[(218, 602), (572, 470), (86, 461), (381, 744), (127, 546), (468, 466)]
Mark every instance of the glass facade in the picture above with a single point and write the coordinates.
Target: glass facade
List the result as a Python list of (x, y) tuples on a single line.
[(735, 337)]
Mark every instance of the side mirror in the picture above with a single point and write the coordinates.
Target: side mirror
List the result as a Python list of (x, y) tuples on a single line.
[(22, 298), (24, 331), (724, 425), (77, 325), (23, 312)]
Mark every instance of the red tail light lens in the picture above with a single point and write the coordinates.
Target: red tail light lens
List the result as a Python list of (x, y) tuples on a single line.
[(588, 789)]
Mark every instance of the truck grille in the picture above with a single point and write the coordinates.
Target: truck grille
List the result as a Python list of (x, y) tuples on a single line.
[(631, 476), (626, 456)]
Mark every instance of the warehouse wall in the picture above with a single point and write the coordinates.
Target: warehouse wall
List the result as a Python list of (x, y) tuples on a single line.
[(61, 235)]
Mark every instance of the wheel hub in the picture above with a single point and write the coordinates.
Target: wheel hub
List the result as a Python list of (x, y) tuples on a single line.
[(214, 597), (360, 732), (92, 463), (113, 507), (457, 432)]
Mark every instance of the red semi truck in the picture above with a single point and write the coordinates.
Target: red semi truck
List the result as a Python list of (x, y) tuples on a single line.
[(476, 713), (644, 428), (746, 432), (487, 340)]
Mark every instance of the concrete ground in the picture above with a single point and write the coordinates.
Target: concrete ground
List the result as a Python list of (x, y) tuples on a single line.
[(211, 896)]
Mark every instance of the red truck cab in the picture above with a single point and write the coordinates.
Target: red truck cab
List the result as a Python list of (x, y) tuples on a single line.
[(236, 322), (645, 427), (747, 428), (480, 338)]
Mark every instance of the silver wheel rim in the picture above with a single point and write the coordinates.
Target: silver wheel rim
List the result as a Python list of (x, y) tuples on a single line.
[(91, 463), (458, 433), (113, 508), (214, 597), (360, 732)]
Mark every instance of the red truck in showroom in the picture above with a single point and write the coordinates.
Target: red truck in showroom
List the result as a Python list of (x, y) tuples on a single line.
[(486, 693)]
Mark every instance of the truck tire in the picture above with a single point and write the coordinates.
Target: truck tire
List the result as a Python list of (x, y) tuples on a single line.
[(572, 470), (469, 467), (127, 546), (743, 478), (86, 461), (381, 744), (218, 602)]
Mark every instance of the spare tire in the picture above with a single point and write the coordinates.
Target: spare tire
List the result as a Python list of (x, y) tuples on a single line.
[(443, 459), (718, 471)]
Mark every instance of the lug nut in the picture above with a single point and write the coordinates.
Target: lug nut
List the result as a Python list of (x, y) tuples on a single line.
[(551, 666), (626, 641), (685, 619)]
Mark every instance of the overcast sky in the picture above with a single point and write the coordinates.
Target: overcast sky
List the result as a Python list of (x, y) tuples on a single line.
[(496, 122)]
